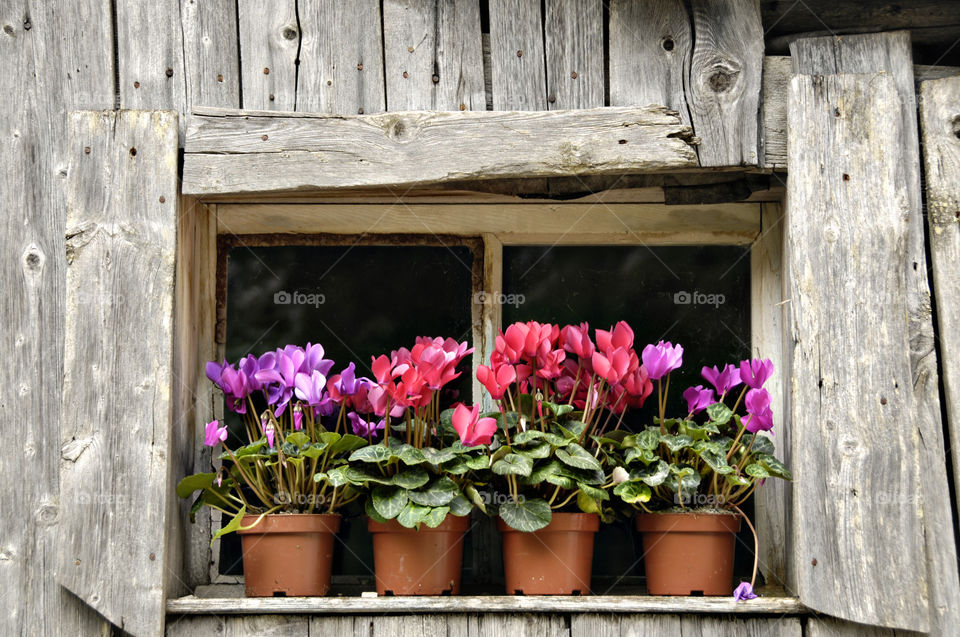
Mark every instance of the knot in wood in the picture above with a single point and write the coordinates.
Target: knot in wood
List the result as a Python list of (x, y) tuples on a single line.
[(955, 126), (289, 33), (47, 515), (722, 75), (667, 44), (8, 29), (169, 72), (33, 258)]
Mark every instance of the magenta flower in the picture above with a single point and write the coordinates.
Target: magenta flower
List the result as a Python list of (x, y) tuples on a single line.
[(744, 592), (297, 417), (364, 428), (235, 388), (760, 417), (270, 433), (724, 380), (214, 433), (698, 398), (661, 359), (756, 372)]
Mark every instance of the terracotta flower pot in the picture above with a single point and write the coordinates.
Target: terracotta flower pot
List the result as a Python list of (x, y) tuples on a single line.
[(288, 555), (556, 560), (418, 562), (687, 553)]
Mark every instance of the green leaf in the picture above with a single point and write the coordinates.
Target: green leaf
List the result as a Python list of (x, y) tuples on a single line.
[(346, 443), (564, 482), (587, 504), (576, 456), (755, 470), (526, 515), (298, 439), (438, 456), (336, 477), (632, 491), (412, 515), (460, 506), (372, 512), (435, 517), (737, 480), (774, 466), (694, 430), (232, 525), (371, 453), (388, 500), (441, 492), (676, 442), (410, 455), (719, 413), (536, 452), (513, 464), (559, 410), (643, 455), (616, 438), (314, 451), (523, 437), (446, 419), (761, 444), (684, 479), (555, 440), (362, 475), (593, 492), (572, 429), (247, 450), (716, 459), (653, 475), (411, 478), (649, 438), (478, 463), (540, 473), (471, 492), (197, 481), (456, 467)]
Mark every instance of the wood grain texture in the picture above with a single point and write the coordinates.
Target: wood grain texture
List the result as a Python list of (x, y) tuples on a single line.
[(890, 53), (251, 152), (150, 54), (777, 71), (573, 40), (211, 52), (516, 56), (940, 120), (341, 57), (433, 57), (723, 90), (252, 626), (269, 40), (856, 495), (650, 48), (827, 627), (121, 250), (50, 69), (783, 17)]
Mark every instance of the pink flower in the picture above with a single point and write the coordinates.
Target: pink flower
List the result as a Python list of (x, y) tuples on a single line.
[(576, 340), (723, 381), (214, 434), (760, 417), (756, 372), (612, 367), (473, 431), (497, 382), (698, 398), (619, 336), (661, 359)]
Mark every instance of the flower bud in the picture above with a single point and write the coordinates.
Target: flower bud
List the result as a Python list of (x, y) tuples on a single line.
[(620, 475)]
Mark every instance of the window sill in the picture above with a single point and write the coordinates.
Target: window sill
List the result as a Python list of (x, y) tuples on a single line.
[(193, 605)]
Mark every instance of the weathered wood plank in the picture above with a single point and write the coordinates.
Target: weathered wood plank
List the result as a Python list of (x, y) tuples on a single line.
[(491, 604), (433, 55), (341, 57), (150, 55), (723, 91), (650, 48), (253, 626), (890, 53), (940, 118), (121, 224), (250, 152), (514, 224), (777, 71), (269, 40), (516, 56), (877, 15), (607, 625), (827, 627), (573, 38), (700, 626), (211, 52), (855, 495)]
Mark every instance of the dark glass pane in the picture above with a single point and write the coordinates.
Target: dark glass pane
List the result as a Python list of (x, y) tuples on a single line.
[(358, 302)]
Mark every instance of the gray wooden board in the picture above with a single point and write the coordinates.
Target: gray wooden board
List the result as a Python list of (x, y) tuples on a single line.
[(341, 57), (432, 53), (117, 409), (781, 17), (827, 627), (723, 90), (252, 626), (211, 52), (940, 118), (890, 53), (650, 48), (269, 40), (516, 56), (573, 40), (856, 493), (257, 152), (50, 68), (584, 625)]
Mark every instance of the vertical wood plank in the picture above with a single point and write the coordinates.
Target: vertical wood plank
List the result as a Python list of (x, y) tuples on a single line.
[(269, 39), (491, 313), (573, 37), (516, 56), (252, 626), (827, 627), (117, 409), (211, 52), (891, 53), (706, 626), (773, 117), (432, 54), (589, 625), (523, 625), (150, 55), (341, 57), (650, 48), (766, 306), (857, 495), (940, 119), (724, 85)]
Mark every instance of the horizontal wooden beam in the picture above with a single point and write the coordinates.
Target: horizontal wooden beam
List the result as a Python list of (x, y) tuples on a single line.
[(513, 224), (254, 152), (192, 605)]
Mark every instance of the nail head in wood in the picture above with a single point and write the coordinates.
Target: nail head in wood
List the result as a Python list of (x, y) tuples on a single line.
[(520, 54), (266, 71), (169, 72)]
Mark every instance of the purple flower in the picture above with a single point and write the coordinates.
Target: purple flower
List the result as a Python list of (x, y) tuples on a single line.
[(214, 433), (267, 428), (364, 428), (278, 382), (698, 398), (214, 370), (756, 372), (297, 417), (724, 380), (235, 388), (760, 416), (744, 592), (314, 361), (250, 366), (661, 359), (348, 382)]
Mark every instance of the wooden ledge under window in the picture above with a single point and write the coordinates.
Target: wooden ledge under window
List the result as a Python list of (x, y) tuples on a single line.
[(193, 605)]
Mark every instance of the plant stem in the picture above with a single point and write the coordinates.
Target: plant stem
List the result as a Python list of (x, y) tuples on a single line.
[(756, 545)]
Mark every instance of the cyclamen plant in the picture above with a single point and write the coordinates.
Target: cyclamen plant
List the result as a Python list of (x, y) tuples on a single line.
[(294, 446)]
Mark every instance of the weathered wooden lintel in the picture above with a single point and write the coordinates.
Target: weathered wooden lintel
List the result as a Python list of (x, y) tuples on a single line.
[(229, 151)]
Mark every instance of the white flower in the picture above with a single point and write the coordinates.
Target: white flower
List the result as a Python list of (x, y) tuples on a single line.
[(620, 475)]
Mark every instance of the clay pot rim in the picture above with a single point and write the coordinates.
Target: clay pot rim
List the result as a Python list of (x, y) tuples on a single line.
[(292, 523), (561, 523), (451, 524), (691, 522)]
